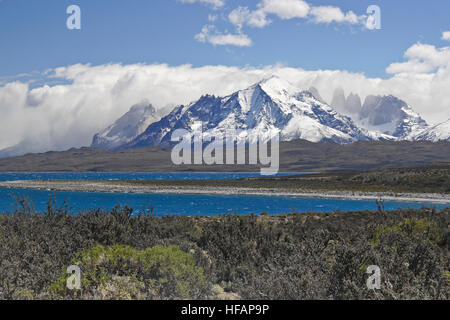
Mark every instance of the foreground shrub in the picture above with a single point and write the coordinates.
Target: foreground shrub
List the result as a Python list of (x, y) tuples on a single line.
[(129, 255), (122, 272), (412, 228)]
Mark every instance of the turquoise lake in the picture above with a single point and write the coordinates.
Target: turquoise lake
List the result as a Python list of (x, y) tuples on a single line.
[(174, 204)]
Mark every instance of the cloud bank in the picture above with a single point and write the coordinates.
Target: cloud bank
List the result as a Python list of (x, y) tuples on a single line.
[(67, 115)]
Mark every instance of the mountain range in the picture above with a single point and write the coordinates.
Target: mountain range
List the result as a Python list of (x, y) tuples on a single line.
[(270, 106), (383, 114), (267, 107), (274, 105)]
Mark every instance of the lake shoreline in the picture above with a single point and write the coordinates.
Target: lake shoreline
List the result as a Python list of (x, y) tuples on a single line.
[(118, 187)]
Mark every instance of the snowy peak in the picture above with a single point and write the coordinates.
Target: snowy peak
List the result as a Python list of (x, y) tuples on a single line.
[(338, 102), (278, 89), (353, 104), (384, 117), (316, 94), (126, 128), (276, 106), (349, 106), (380, 110), (272, 105), (390, 115), (440, 132)]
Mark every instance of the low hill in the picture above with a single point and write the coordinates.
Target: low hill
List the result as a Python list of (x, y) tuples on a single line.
[(295, 156)]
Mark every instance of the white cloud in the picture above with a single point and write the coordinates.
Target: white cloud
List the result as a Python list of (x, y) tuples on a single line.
[(422, 58), (285, 9), (291, 9), (64, 116), (446, 35), (242, 15), (211, 35), (13, 97), (258, 19), (239, 16), (214, 3), (329, 14), (240, 40), (212, 18)]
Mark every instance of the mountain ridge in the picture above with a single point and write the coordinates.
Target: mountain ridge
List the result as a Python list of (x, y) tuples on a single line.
[(127, 127), (437, 133), (272, 105)]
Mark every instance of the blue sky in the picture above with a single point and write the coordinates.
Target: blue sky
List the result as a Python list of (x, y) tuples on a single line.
[(34, 36), (59, 87)]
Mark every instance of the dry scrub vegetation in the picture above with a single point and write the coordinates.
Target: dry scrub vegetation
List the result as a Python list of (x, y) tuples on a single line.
[(132, 255)]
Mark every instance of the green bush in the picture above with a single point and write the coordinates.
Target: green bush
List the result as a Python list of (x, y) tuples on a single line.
[(291, 256), (410, 227), (122, 272)]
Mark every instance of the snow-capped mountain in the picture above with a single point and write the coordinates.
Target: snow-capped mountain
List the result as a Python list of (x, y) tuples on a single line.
[(273, 105), (125, 129), (339, 102), (387, 116), (316, 94), (440, 132), (349, 106), (391, 116), (353, 104)]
